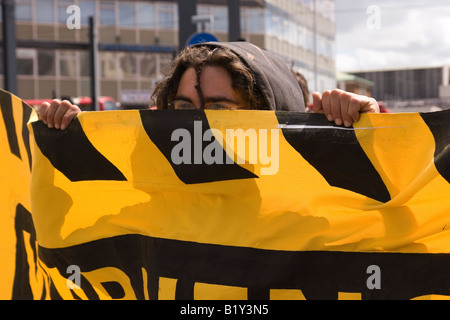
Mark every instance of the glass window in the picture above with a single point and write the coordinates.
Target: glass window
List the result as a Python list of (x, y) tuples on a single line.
[(109, 105), (62, 10), (206, 11), (220, 19), (108, 64), (84, 64), (127, 16), (46, 62), (127, 65), (23, 10), (87, 9), (145, 15), (44, 11), (67, 63), (107, 13), (256, 20), (166, 17), (165, 61), (25, 61), (148, 65)]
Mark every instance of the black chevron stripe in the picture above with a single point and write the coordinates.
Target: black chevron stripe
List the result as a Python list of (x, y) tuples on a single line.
[(71, 152), (335, 153), (159, 126), (10, 125), (439, 124), (25, 133)]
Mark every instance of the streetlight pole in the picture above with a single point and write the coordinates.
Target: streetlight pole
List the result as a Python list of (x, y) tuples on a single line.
[(234, 20), (93, 59), (9, 46)]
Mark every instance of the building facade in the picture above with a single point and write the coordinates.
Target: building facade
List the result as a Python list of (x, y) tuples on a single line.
[(139, 38), (417, 89)]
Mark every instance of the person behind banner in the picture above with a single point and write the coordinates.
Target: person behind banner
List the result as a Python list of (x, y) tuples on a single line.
[(233, 76)]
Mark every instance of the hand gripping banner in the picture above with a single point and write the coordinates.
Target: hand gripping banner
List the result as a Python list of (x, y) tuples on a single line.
[(163, 204)]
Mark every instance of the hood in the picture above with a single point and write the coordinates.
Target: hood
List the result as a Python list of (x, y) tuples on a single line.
[(273, 77)]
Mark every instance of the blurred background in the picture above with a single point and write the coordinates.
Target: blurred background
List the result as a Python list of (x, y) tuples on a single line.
[(109, 54)]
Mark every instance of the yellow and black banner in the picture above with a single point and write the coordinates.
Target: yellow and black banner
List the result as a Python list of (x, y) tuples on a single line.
[(165, 204)]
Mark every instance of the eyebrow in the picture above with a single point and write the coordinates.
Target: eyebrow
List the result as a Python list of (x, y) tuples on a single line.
[(220, 99), (184, 98), (208, 100)]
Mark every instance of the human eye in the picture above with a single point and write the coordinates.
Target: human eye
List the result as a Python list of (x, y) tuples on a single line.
[(182, 105), (218, 106)]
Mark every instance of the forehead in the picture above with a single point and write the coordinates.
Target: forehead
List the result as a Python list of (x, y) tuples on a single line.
[(213, 80)]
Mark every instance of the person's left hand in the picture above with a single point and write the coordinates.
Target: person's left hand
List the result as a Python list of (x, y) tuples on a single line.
[(343, 107), (57, 114)]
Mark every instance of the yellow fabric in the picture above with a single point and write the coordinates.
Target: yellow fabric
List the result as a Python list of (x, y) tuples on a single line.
[(293, 210)]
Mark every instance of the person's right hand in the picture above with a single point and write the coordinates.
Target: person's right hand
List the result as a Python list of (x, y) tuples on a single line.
[(57, 114)]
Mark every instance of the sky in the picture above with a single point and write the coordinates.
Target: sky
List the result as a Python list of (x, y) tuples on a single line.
[(392, 34)]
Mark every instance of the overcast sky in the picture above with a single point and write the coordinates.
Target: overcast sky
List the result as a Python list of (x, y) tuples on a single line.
[(392, 34)]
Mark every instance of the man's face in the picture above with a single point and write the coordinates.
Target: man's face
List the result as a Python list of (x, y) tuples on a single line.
[(216, 87)]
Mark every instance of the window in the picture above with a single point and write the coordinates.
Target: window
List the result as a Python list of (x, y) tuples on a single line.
[(166, 16), (84, 64), (87, 9), (220, 19), (255, 20), (107, 13), (165, 61), (25, 61), (145, 15), (62, 10), (46, 62), (206, 11), (127, 65), (44, 11), (108, 65), (23, 10), (109, 105), (67, 63), (148, 65), (127, 16)]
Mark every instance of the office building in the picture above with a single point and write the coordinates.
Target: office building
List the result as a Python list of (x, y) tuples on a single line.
[(139, 38)]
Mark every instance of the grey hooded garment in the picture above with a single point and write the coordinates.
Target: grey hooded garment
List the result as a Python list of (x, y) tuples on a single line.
[(273, 77)]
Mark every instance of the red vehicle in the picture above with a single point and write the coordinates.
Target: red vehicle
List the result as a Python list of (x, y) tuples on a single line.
[(84, 103)]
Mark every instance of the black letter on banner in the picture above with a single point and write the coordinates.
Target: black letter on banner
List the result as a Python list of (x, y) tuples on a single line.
[(318, 274), (335, 153), (71, 152), (8, 118), (159, 126), (438, 122)]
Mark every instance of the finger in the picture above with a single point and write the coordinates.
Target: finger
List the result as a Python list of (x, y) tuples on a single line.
[(317, 102), (371, 106), (42, 111), (354, 108), (69, 115), (345, 99), (326, 104), (63, 107), (335, 104), (51, 112)]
